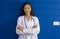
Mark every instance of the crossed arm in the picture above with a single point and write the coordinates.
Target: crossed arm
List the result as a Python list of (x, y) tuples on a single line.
[(21, 28), (34, 30)]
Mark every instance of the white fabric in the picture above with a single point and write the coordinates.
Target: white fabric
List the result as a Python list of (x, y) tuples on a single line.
[(29, 32)]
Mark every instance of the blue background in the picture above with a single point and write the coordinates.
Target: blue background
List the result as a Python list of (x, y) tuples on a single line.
[(46, 10)]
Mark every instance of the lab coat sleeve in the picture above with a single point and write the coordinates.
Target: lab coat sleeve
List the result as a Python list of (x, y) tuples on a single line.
[(36, 30), (18, 23), (27, 31)]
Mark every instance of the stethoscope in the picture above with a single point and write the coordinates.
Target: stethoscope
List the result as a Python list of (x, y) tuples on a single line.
[(25, 21), (26, 24)]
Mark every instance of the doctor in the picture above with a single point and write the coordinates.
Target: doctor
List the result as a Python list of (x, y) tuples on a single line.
[(27, 24)]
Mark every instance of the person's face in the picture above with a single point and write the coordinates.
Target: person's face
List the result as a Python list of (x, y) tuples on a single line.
[(27, 9)]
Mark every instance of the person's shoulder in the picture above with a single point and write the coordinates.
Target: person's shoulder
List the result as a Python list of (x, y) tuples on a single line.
[(20, 17), (35, 17)]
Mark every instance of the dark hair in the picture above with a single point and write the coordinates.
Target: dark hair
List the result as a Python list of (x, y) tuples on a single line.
[(22, 11)]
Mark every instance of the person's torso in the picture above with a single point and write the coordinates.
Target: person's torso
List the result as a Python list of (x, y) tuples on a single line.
[(27, 24)]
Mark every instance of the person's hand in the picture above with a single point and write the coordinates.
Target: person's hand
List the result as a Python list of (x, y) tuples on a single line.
[(34, 26), (20, 28)]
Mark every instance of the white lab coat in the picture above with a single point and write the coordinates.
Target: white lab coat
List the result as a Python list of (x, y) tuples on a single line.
[(29, 32)]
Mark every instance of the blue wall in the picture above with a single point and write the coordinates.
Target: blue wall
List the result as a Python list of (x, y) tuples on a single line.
[(46, 10)]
